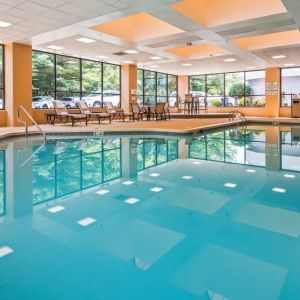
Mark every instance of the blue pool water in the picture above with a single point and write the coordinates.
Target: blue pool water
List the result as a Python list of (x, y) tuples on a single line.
[(213, 216)]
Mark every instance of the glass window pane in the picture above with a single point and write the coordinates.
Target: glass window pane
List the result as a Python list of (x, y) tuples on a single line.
[(91, 77), (149, 83), (172, 149), (150, 154), (1, 66), (161, 84), (67, 74), (290, 84), (111, 84), (198, 149), (197, 85), (1, 98), (215, 85), (140, 76), (256, 82), (172, 90), (112, 164), (235, 89)]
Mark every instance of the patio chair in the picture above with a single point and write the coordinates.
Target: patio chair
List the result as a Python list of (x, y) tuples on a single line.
[(137, 111), (159, 112), (115, 112), (84, 110), (62, 113)]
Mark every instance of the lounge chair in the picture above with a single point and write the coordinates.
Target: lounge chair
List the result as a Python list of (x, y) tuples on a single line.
[(137, 112), (84, 110), (62, 114), (116, 113), (167, 111), (159, 112)]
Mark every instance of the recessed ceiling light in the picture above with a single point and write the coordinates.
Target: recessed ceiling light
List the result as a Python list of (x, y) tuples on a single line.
[(278, 56), (289, 65), (85, 40), (186, 65), (154, 66), (129, 62), (53, 47), (4, 24), (250, 68), (101, 57), (131, 51), (156, 57), (229, 59)]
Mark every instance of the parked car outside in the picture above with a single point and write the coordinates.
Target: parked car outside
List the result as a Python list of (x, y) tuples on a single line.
[(40, 102), (95, 100), (70, 102), (173, 99)]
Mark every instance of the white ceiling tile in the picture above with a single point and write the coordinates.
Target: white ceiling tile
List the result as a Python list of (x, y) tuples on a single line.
[(71, 9), (33, 7), (51, 4), (11, 2), (20, 13)]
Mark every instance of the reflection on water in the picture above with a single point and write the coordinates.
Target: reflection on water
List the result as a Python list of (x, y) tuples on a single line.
[(215, 230), (2, 182), (233, 146), (66, 167)]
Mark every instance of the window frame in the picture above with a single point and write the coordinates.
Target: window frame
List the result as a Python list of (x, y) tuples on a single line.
[(143, 95), (2, 88), (224, 96), (281, 94), (81, 92)]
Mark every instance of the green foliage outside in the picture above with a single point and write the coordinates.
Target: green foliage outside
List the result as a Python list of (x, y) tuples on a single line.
[(237, 90), (216, 102), (68, 75)]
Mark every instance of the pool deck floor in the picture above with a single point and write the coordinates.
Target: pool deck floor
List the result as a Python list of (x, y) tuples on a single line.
[(183, 126)]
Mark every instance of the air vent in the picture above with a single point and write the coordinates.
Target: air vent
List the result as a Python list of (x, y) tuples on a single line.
[(237, 31), (179, 41), (121, 53)]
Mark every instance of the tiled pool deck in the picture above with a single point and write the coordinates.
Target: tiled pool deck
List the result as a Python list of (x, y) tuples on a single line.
[(174, 126)]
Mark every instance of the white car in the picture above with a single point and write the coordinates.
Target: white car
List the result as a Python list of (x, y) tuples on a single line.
[(94, 100), (173, 99), (40, 102)]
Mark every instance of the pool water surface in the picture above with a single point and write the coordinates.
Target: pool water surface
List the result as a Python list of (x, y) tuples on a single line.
[(210, 216)]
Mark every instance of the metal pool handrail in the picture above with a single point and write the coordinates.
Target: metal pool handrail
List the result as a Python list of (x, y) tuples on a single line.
[(21, 108)]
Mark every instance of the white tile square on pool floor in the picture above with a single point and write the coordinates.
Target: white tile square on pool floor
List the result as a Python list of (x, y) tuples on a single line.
[(132, 200), (278, 190), (56, 209), (154, 175), (128, 182), (230, 185), (102, 192), (187, 177), (86, 221), (250, 171), (289, 176), (5, 250), (156, 189)]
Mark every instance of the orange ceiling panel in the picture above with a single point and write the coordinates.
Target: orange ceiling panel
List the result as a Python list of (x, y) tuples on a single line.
[(210, 13), (203, 50), (277, 39), (138, 27)]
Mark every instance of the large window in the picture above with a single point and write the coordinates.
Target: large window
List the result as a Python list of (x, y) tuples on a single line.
[(154, 87), (230, 89), (290, 85), (71, 79), (1, 77)]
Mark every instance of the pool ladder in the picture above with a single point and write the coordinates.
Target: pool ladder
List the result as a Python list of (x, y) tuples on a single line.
[(237, 114), (22, 109), (41, 131)]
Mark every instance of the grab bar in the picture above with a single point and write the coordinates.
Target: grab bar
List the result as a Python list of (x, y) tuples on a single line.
[(237, 114), (21, 108)]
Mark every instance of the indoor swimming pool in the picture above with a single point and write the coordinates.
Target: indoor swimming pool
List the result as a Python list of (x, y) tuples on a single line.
[(213, 216)]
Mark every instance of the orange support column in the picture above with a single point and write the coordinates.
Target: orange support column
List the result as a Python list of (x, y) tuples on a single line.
[(18, 81), (128, 85), (273, 99), (183, 86)]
